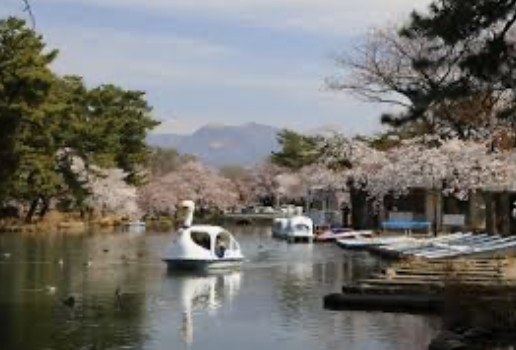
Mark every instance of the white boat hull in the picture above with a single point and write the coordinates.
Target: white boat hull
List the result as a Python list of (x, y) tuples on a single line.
[(451, 246), (349, 235), (196, 248), (195, 264), (301, 236), (293, 229), (371, 242)]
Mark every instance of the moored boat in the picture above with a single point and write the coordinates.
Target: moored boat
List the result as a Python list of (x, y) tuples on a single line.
[(294, 228), (136, 223), (279, 227), (452, 246), (332, 235), (372, 242)]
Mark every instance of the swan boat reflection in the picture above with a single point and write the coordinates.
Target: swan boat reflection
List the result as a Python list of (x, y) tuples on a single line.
[(206, 293)]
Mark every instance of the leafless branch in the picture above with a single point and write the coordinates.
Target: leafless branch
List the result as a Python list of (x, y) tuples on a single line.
[(28, 9)]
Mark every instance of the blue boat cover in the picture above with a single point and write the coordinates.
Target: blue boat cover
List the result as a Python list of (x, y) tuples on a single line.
[(405, 224)]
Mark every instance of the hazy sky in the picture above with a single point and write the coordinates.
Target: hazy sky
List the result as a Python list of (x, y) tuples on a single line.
[(219, 61)]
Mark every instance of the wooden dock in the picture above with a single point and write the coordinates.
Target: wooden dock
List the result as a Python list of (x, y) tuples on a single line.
[(423, 285)]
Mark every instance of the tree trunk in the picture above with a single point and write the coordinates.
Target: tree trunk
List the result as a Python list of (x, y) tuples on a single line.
[(32, 210), (490, 213), (44, 209), (358, 209)]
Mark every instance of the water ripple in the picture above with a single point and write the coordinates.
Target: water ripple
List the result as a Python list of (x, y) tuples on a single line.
[(125, 299)]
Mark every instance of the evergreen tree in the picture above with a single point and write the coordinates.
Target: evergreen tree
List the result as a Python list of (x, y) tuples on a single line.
[(25, 86), (482, 32), (47, 120), (297, 150)]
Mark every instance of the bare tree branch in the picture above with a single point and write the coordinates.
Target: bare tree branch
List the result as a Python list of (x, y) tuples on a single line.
[(421, 76), (28, 9)]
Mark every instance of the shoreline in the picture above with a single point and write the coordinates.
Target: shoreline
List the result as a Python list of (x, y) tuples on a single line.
[(73, 224)]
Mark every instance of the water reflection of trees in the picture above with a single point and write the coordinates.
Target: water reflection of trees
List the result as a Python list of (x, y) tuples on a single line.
[(301, 278), (400, 331), (298, 282), (32, 314), (283, 297)]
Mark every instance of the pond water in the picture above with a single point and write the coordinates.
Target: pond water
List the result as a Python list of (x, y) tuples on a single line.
[(124, 298)]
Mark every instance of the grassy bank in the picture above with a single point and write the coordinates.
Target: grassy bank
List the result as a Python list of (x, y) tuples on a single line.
[(74, 222)]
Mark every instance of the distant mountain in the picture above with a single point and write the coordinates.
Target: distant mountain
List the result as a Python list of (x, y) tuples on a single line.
[(219, 145)]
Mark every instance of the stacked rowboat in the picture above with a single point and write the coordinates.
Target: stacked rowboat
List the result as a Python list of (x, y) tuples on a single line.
[(441, 247)]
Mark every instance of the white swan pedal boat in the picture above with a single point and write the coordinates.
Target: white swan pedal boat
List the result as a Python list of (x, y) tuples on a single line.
[(202, 247), (296, 228)]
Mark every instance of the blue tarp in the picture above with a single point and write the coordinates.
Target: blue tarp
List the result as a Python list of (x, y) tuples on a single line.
[(405, 224)]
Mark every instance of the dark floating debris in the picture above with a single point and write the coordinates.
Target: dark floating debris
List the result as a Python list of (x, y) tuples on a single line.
[(118, 297), (70, 301)]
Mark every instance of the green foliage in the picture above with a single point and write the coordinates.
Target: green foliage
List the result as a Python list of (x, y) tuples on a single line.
[(393, 137), (234, 172), (486, 23), (47, 119), (25, 85), (381, 142), (118, 121), (297, 150), (163, 161)]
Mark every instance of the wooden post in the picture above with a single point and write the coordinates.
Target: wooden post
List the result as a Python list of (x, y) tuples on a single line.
[(436, 205)]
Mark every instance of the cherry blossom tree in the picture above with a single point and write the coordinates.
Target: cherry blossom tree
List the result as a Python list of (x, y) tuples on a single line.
[(345, 163), (263, 186), (106, 190), (160, 196), (111, 195), (243, 179), (289, 186), (455, 167), (192, 181), (452, 166)]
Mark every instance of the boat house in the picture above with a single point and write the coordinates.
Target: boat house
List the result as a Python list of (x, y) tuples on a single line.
[(489, 210)]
